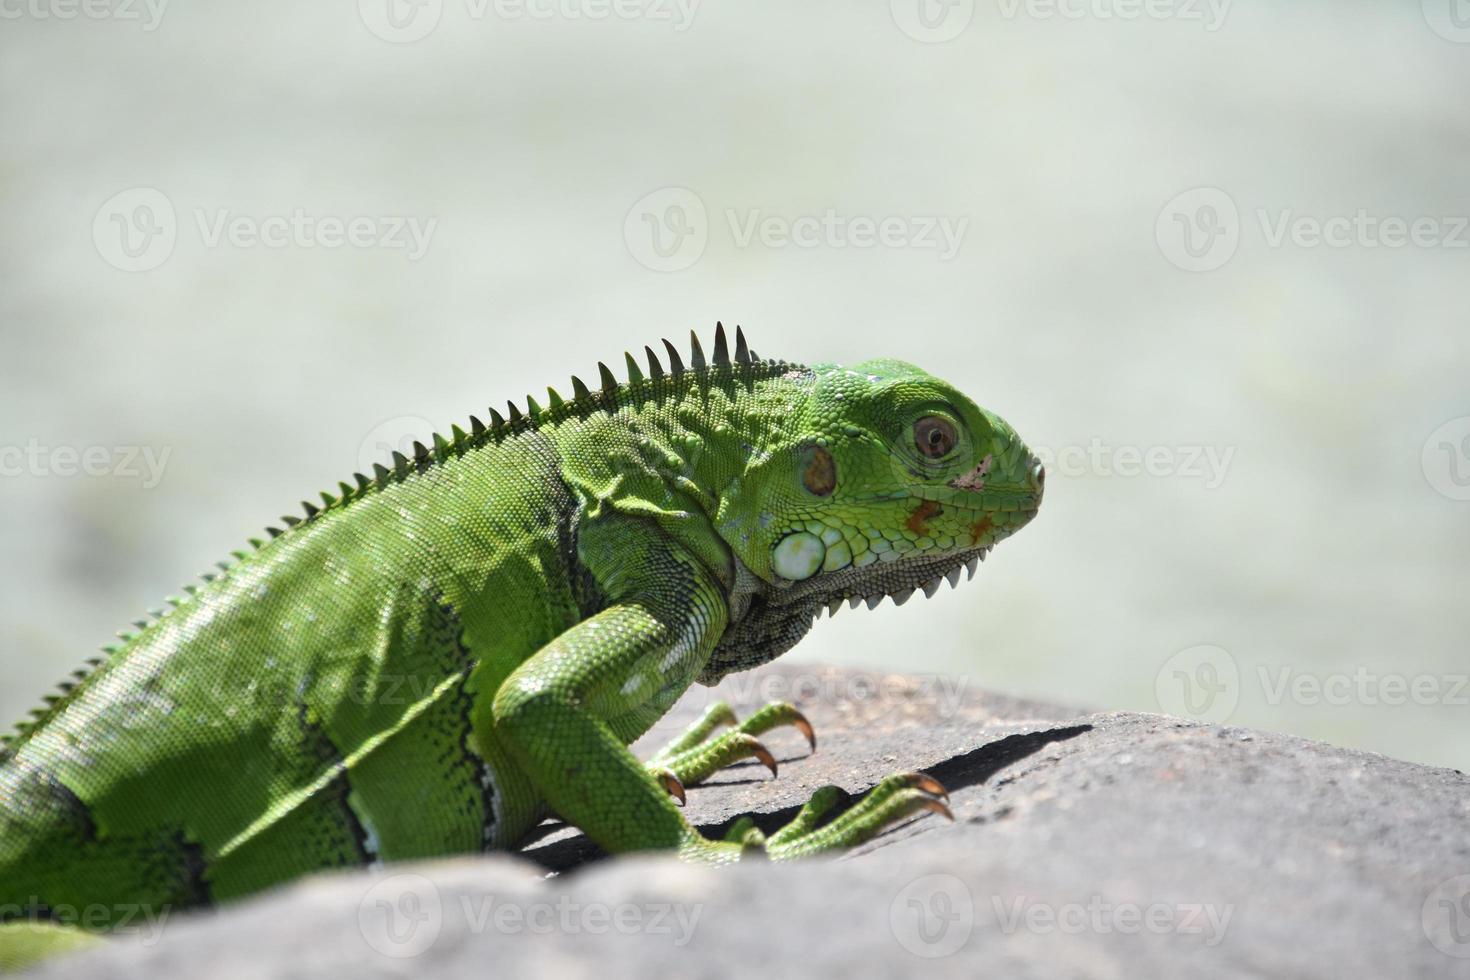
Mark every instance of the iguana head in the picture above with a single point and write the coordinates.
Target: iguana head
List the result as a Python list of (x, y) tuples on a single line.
[(887, 480)]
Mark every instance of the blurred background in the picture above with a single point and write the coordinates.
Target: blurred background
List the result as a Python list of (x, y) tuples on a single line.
[(1211, 260)]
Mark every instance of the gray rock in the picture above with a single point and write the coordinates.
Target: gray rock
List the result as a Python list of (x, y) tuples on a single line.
[(1087, 845)]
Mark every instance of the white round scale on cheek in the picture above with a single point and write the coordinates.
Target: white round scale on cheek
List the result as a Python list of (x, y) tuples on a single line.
[(798, 556)]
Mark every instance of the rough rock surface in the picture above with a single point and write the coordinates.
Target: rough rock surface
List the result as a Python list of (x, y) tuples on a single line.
[(1086, 845)]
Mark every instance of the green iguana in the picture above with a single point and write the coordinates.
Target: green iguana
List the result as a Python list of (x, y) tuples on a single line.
[(434, 659)]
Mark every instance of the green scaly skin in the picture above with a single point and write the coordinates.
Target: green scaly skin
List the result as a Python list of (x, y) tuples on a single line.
[(438, 657)]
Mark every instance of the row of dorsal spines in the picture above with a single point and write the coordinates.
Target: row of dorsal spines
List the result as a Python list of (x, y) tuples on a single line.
[(49, 705), (517, 419), (400, 465), (609, 386)]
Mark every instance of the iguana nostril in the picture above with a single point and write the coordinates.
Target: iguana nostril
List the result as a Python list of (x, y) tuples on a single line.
[(1037, 476)]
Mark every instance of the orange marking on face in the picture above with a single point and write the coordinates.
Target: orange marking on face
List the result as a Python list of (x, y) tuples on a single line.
[(918, 520), (979, 529)]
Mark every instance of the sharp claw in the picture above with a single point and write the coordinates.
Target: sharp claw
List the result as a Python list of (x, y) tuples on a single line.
[(764, 755), (672, 785), (934, 806), (928, 784), (800, 723)]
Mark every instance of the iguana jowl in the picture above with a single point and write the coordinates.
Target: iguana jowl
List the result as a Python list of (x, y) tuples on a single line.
[(435, 658)]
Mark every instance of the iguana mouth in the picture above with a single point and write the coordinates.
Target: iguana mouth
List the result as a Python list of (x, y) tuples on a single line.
[(871, 585), (768, 620), (900, 579)]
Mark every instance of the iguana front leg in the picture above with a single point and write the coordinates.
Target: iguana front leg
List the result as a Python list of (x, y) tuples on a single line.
[(566, 714)]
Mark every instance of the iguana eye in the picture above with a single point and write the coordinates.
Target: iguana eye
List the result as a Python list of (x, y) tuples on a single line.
[(934, 436)]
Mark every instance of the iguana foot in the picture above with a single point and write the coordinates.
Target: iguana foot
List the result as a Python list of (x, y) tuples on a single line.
[(892, 801), (693, 757)]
